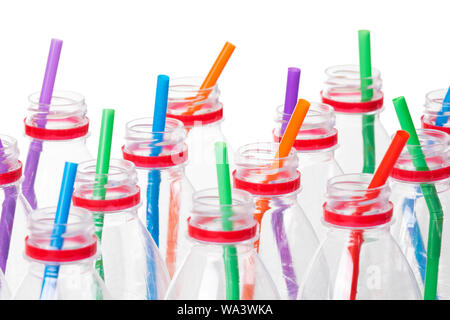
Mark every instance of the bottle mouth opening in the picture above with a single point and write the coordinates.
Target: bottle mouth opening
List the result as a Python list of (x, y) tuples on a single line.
[(8, 147), (120, 171), (434, 100), (261, 155), (208, 199), (433, 145), (61, 100), (349, 73), (186, 86), (353, 187)]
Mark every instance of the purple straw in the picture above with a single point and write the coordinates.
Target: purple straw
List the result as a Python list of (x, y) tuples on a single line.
[(290, 101), (8, 211), (285, 254), (45, 99)]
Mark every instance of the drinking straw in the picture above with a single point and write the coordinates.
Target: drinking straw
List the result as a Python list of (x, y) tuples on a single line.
[(173, 226), (368, 130), (379, 179), (213, 75), (8, 211), (431, 198), (34, 152), (226, 201), (101, 176), (154, 176), (290, 100), (441, 119), (48, 289)]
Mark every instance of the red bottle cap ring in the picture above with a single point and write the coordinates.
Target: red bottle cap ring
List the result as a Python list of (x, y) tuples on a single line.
[(267, 189), (431, 126), (198, 119), (57, 134), (221, 236), (354, 107), (108, 204), (420, 176), (11, 176), (156, 162), (313, 144), (357, 221), (65, 255)]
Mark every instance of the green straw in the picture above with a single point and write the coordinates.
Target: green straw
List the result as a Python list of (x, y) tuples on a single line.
[(225, 199), (101, 178), (365, 72), (431, 198)]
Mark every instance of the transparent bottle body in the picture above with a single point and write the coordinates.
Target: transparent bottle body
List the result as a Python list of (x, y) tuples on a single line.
[(287, 242), (350, 154), (201, 166), (411, 230), (202, 275), (76, 281), (175, 201), (316, 169), (384, 273), (50, 168)]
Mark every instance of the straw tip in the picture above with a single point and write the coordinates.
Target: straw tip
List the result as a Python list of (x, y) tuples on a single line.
[(364, 32), (399, 100), (402, 134), (221, 151), (230, 45), (294, 70), (108, 112), (56, 41), (70, 166), (163, 77)]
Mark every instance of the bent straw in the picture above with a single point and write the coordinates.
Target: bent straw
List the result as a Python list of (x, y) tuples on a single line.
[(154, 176), (431, 198), (441, 119), (48, 290), (101, 178), (284, 148), (368, 130), (379, 179), (290, 100), (226, 201), (8, 211), (34, 152), (213, 75)]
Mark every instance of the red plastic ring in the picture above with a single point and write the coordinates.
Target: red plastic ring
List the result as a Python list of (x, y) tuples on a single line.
[(354, 107), (357, 221), (66, 255), (156, 162), (11, 176), (313, 144), (109, 204), (198, 119), (267, 189), (421, 176), (221, 236), (57, 134), (431, 126)]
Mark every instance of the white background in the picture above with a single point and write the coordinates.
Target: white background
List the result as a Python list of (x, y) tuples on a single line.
[(114, 50)]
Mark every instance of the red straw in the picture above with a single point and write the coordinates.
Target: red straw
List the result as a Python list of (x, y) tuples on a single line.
[(379, 179)]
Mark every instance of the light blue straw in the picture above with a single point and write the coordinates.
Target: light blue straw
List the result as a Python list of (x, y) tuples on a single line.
[(154, 178), (48, 291), (441, 119)]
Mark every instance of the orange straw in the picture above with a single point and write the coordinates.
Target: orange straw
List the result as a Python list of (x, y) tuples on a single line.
[(379, 179), (212, 76), (173, 226)]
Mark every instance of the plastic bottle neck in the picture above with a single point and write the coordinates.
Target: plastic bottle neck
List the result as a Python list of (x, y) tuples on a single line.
[(436, 113)]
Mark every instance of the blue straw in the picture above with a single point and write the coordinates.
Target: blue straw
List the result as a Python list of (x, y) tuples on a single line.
[(154, 176), (154, 179), (441, 119), (48, 290)]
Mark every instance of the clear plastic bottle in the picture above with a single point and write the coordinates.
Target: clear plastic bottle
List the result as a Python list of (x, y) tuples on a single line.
[(316, 143), (436, 114), (14, 213), (363, 261), (162, 177), (222, 264), (412, 216), (76, 278), (58, 132), (287, 240), (130, 263), (203, 127), (362, 137)]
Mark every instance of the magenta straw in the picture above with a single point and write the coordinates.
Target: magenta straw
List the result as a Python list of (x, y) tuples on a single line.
[(8, 211), (290, 100), (34, 152)]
